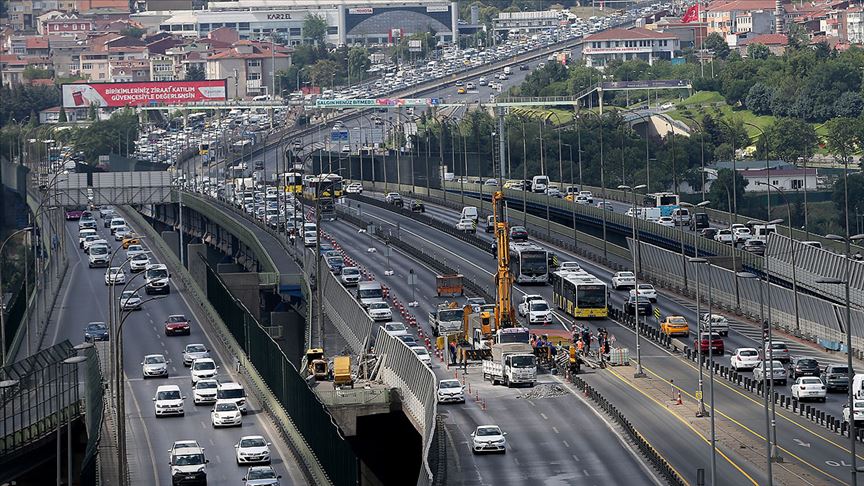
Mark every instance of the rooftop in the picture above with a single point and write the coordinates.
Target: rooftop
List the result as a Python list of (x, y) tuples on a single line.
[(730, 5), (767, 40), (633, 33)]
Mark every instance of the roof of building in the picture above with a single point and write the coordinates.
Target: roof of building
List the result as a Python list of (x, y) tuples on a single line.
[(767, 40), (777, 172), (751, 164), (633, 33), (37, 43), (41, 82), (731, 5)]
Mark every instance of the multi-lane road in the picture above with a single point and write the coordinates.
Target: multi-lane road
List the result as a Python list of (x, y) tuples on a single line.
[(85, 299)]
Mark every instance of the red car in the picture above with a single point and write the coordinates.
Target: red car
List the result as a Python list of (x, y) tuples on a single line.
[(715, 343), (177, 324)]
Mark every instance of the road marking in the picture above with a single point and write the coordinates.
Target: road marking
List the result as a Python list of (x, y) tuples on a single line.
[(585, 471), (146, 433), (544, 416), (799, 441), (567, 445), (555, 429)]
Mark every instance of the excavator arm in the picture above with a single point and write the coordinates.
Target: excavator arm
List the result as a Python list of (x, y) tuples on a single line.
[(504, 314)]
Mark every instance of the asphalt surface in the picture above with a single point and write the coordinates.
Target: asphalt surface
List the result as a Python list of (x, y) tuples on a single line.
[(549, 437), (149, 438), (823, 452)]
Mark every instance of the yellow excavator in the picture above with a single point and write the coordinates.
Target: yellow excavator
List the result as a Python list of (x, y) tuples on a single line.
[(504, 314)]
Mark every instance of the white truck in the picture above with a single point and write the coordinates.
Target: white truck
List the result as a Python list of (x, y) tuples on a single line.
[(513, 361), (242, 184), (446, 320)]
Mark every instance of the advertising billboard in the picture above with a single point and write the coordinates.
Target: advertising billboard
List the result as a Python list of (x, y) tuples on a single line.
[(376, 102), (116, 95)]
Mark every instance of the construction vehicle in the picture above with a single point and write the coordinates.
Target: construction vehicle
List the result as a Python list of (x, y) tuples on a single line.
[(342, 372), (446, 319), (316, 363), (512, 359), (504, 315), (449, 285)]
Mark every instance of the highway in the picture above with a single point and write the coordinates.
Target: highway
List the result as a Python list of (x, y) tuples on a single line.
[(149, 438), (824, 451)]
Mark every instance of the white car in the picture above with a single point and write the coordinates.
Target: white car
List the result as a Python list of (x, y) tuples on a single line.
[(466, 224), (666, 221), (582, 200), (716, 322), (354, 188), (205, 391), (139, 262), (130, 300), (133, 250), (522, 308), (587, 195), (553, 191), (226, 413), (379, 311), (115, 276), (121, 233), (744, 359), (859, 411), (647, 291), (261, 476), (724, 236), (809, 387), (234, 392), (154, 365), (168, 401), (488, 438), (623, 279), (83, 234), (539, 312), (569, 266), (350, 276), (741, 235), (775, 369), (202, 368), (194, 351), (451, 391), (252, 449), (395, 329), (422, 354), (93, 240), (309, 238)]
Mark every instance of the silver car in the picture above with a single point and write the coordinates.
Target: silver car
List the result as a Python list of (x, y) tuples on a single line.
[(193, 352)]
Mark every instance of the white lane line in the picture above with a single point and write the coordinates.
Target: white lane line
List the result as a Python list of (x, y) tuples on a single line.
[(544, 416), (566, 444), (555, 429), (146, 433), (586, 472), (575, 457)]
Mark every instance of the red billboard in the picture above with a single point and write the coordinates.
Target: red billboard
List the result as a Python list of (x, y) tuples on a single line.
[(116, 95)]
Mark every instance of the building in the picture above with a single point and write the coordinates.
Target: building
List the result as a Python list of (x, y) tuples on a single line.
[(690, 34), (776, 43), (528, 21), (789, 179), (52, 115), (162, 68), (349, 21), (11, 69), (855, 25), (249, 67), (63, 24), (627, 44), (736, 17)]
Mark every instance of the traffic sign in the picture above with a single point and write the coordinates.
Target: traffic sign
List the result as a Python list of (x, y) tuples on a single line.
[(698, 395), (657, 313)]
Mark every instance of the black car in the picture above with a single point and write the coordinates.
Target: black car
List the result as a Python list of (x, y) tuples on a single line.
[(644, 306), (803, 367), (418, 207), (518, 234), (96, 331), (708, 233), (523, 67), (336, 263), (408, 339), (835, 377), (699, 221)]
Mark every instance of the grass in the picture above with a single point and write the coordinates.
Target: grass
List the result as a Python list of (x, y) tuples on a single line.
[(564, 116), (703, 98), (713, 103)]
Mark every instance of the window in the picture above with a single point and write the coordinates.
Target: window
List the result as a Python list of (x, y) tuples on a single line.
[(253, 76), (253, 63), (243, 26), (332, 30), (87, 66), (188, 27), (775, 182), (797, 184)]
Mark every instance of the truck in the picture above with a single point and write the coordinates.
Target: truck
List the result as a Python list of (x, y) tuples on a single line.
[(447, 319), (512, 361), (242, 184)]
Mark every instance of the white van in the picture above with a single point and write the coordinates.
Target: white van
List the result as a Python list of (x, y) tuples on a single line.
[(469, 212), (368, 292), (539, 184), (681, 216)]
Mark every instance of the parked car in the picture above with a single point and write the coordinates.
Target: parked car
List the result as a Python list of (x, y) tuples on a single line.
[(799, 367), (809, 388)]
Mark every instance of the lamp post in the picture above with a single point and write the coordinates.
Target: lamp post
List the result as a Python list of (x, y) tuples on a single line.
[(639, 372), (602, 182), (572, 202), (2, 299), (701, 411), (853, 436), (699, 261), (702, 151)]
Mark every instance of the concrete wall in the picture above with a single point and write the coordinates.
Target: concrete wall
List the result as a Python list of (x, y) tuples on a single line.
[(244, 286)]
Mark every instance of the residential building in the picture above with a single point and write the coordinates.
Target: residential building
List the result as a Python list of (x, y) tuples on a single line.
[(52, 115), (66, 55), (789, 179), (249, 67), (690, 34), (162, 68), (626, 44), (64, 24), (855, 25), (11, 69), (735, 17), (776, 43)]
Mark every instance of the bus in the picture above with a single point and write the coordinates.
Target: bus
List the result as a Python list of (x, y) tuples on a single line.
[(666, 201), (579, 294), (529, 263), (293, 182), (331, 186)]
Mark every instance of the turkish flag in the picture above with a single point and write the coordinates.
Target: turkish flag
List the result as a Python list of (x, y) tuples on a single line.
[(691, 15)]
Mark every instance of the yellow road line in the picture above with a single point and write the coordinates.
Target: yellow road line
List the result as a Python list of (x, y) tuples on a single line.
[(614, 373)]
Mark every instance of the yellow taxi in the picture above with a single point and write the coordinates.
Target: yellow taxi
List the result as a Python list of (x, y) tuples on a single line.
[(675, 326), (130, 240), (460, 90)]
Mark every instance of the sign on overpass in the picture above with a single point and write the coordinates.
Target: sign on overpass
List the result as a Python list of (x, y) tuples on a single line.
[(376, 102), (650, 84), (116, 188)]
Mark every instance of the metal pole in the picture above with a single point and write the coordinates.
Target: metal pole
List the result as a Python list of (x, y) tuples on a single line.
[(853, 436), (58, 401), (180, 216), (639, 372), (318, 291), (768, 387), (711, 388), (701, 411)]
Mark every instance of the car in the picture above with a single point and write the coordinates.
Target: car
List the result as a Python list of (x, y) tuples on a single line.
[(202, 368), (393, 198), (859, 412), (723, 236), (230, 390), (808, 387), (779, 351), (646, 290), (710, 342), (350, 275), (623, 279), (460, 90), (168, 401), (396, 329), (835, 377), (675, 326), (226, 413), (133, 250), (467, 224), (154, 365), (744, 359), (539, 312), (83, 234), (518, 234), (194, 351), (205, 391), (139, 263), (105, 212), (488, 438), (409, 340), (252, 449), (569, 266), (95, 331), (422, 354), (451, 391), (522, 308), (90, 240), (587, 195), (188, 464), (666, 221), (130, 300), (418, 206), (177, 324), (115, 276), (754, 246), (309, 238), (121, 233), (354, 188), (582, 200), (774, 369), (709, 233), (261, 476), (130, 239), (335, 263), (716, 323), (379, 311), (632, 306), (799, 367)]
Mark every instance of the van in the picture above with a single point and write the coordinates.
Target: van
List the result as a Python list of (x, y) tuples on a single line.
[(234, 392), (490, 224), (368, 292), (157, 277), (469, 212), (761, 231), (539, 184), (699, 221), (188, 464), (681, 216)]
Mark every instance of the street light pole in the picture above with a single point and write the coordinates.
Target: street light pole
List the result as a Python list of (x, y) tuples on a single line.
[(639, 372), (699, 261)]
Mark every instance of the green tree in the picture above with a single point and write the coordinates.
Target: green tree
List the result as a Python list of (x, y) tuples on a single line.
[(856, 195), (315, 29), (758, 51), (790, 139), (31, 72), (195, 73), (323, 72), (358, 63), (105, 137), (716, 43), (62, 117), (797, 36), (759, 99), (849, 105), (721, 189), (18, 101), (841, 137)]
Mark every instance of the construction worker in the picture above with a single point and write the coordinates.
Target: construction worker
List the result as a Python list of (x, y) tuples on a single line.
[(580, 346)]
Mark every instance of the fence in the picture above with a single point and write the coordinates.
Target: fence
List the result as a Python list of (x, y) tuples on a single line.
[(94, 410), (292, 392), (820, 320)]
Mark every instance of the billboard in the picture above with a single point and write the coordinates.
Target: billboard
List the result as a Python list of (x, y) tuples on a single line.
[(116, 95), (376, 102)]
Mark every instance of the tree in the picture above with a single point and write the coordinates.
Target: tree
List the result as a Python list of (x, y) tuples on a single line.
[(315, 29), (195, 73), (841, 137), (62, 117), (797, 36), (849, 105), (792, 138), (721, 189), (31, 72), (133, 31), (759, 99), (758, 51), (856, 195), (323, 72), (716, 43), (358, 63)]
